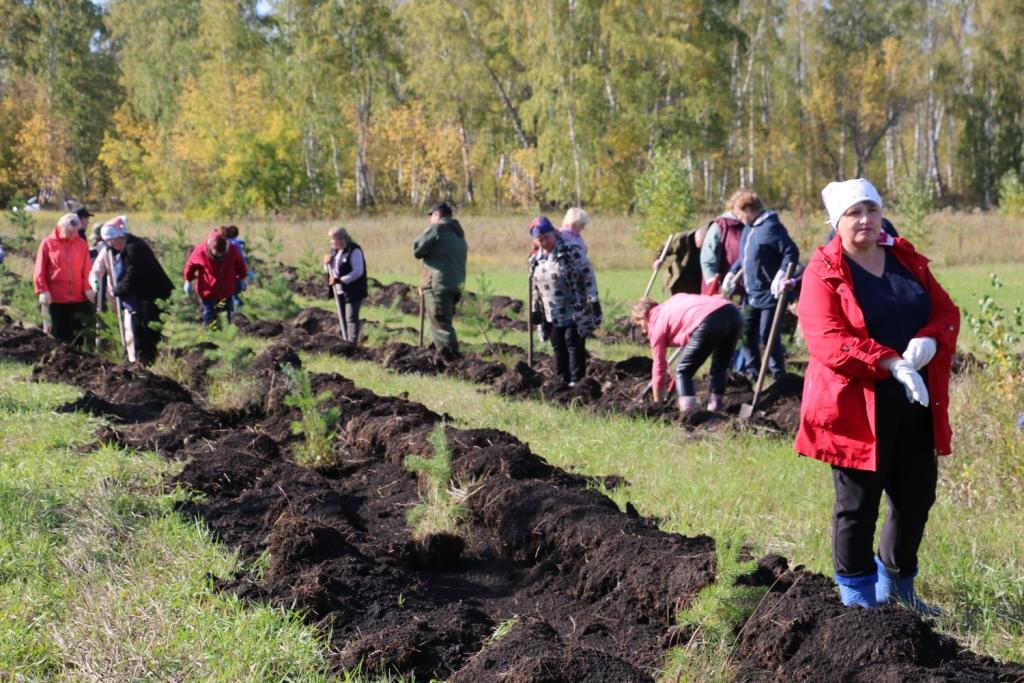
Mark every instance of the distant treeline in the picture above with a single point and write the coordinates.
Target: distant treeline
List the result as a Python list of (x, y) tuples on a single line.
[(317, 106)]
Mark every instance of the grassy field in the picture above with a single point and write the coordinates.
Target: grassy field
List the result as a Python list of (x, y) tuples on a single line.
[(81, 531), (101, 580)]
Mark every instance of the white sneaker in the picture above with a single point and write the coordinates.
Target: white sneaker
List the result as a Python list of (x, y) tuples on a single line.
[(716, 402), (687, 405)]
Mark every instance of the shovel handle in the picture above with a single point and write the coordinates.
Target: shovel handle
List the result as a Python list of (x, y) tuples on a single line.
[(772, 336), (661, 259), (423, 314)]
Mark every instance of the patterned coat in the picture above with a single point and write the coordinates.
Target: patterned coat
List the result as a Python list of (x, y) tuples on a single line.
[(564, 284)]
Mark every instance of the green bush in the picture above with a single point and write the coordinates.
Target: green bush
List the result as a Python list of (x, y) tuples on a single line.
[(273, 300), (914, 200), (663, 199), (1011, 194)]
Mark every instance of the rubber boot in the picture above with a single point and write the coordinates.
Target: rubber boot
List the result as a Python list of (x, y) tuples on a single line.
[(716, 402), (902, 591), (687, 405), (858, 590)]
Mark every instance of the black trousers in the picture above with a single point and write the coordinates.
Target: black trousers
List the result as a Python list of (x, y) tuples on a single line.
[(570, 353), (145, 318), (907, 474), (71, 323), (716, 336)]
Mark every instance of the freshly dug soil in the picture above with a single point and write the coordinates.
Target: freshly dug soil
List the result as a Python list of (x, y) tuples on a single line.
[(592, 590), (801, 632)]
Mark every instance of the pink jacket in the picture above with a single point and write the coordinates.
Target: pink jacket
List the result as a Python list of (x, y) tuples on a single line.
[(62, 268), (672, 324)]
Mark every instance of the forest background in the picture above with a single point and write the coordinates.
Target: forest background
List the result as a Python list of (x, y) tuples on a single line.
[(314, 107)]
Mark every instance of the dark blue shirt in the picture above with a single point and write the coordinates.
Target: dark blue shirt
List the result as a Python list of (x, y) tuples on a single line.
[(895, 306)]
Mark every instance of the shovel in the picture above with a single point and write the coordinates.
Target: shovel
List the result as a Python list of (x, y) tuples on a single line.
[(661, 260), (423, 314), (529, 320), (647, 387), (341, 316), (747, 409)]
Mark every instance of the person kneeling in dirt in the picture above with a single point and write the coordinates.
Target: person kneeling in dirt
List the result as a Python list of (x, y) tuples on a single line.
[(702, 326), (566, 289), (346, 277), (442, 247), (140, 283), (61, 279), (875, 320), (216, 266)]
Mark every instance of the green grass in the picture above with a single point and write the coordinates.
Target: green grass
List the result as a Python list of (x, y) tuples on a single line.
[(745, 488), (101, 580)]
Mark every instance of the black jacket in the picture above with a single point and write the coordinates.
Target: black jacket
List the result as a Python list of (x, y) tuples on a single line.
[(357, 289), (143, 278)]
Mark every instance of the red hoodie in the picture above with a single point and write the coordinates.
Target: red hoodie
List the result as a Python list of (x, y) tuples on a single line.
[(215, 278), (62, 268)]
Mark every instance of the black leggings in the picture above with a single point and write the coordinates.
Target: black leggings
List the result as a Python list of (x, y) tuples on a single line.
[(907, 474), (72, 322), (570, 353), (716, 336)]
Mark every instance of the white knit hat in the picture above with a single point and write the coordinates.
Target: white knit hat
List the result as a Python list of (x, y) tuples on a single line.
[(840, 196)]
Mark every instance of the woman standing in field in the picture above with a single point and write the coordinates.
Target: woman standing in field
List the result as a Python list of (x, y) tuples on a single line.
[(702, 326), (576, 219), (216, 266), (874, 319), (346, 276), (565, 292), (61, 279)]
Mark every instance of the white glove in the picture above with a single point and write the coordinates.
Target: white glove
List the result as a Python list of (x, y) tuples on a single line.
[(44, 299), (920, 351), (905, 374), (90, 295), (729, 284), (188, 287)]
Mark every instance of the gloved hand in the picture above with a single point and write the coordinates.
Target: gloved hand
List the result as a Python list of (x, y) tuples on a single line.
[(729, 284), (188, 287), (781, 285), (90, 294), (537, 315), (905, 374), (543, 332), (920, 351), (595, 309), (44, 299), (656, 264)]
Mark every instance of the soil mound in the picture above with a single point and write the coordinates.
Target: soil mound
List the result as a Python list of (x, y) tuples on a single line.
[(265, 329), (801, 632), (25, 345), (533, 652), (316, 321), (177, 425)]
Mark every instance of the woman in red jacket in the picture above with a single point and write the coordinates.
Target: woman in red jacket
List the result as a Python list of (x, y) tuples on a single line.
[(216, 266), (61, 278), (881, 334)]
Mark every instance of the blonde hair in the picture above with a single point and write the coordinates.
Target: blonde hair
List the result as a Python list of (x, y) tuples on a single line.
[(576, 216), (642, 309), (340, 234), (744, 200)]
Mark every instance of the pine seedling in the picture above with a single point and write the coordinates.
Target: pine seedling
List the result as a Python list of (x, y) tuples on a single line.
[(273, 300), (316, 420), (381, 332), (440, 509)]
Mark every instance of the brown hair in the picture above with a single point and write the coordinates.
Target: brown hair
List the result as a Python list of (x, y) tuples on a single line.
[(230, 231), (642, 309), (218, 244), (745, 200)]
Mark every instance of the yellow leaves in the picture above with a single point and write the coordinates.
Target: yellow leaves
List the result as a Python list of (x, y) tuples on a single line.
[(130, 153), (418, 160), (42, 144)]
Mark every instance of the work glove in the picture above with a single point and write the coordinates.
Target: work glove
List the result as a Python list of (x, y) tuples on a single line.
[(920, 351), (188, 287), (595, 309), (729, 284), (656, 264), (90, 295), (781, 285), (44, 299), (543, 332), (905, 374)]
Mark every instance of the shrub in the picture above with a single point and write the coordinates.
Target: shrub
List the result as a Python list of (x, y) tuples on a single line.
[(273, 300), (1011, 194), (440, 509), (915, 202), (663, 199), (316, 420)]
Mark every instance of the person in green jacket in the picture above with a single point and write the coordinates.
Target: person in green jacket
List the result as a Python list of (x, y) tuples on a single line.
[(442, 247)]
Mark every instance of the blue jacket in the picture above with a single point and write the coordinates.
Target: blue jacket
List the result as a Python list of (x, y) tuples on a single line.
[(765, 248)]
